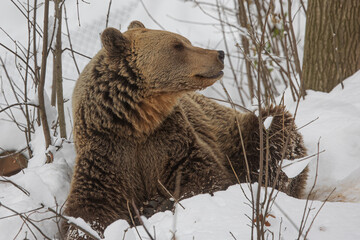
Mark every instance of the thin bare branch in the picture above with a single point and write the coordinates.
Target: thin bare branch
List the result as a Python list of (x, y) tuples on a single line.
[(150, 16), (18, 104), (171, 195), (25, 218), (78, 53), (108, 14), (17, 55), (140, 220)]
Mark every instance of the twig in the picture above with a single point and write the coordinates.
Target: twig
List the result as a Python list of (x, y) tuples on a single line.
[(227, 101), (303, 220), (25, 218), (242, 17), (260, 222), (227, 50), (151, 17), (303, 6), (176, 200), (5, 180), (36, 68), (78, 12), (18, 104), (34, 25), (78, 53), (132, 219), (287, 216), (307, 124), (303, 159), (248, 176), (58, 219), (237, 178), (140, 220), (232, 235), (17, 55), (108, 14), (317, 213), (70, 43), (295, 51), (191, 22), (27, 114)]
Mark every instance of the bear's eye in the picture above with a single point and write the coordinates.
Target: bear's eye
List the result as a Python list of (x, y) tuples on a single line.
[(179, 46)]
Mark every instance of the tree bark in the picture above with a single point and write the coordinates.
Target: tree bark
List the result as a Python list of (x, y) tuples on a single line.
[(53, 86), (332, 43), (58, 70)]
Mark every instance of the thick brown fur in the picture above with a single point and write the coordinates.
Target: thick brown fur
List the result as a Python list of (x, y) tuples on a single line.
[(138, 122)]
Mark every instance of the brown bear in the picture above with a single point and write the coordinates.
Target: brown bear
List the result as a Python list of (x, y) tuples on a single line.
[(142, 134)]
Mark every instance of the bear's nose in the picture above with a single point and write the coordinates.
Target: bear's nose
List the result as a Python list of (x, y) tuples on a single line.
[(221, 56)]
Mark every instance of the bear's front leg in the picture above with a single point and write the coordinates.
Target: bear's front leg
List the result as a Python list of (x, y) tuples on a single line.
[(95, 196)]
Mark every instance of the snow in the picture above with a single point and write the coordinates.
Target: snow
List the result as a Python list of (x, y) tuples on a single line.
[(336, 130), (267, 122), (292, 168), (82, 224), (44, 185), (224, 214), (119, 229)]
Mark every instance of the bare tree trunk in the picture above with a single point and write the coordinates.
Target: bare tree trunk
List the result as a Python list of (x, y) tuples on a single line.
[(41, 85), (332, 43), (58, 70), (53, 85)]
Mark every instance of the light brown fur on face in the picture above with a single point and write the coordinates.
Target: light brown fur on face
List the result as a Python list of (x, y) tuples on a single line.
[(181, 65), (139, 123)]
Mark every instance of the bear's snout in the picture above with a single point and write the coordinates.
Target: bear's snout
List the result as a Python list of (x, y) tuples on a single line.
[(221, 56)]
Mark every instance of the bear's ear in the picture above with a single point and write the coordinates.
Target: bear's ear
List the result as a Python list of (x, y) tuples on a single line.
[(135, 24), (113, 41)]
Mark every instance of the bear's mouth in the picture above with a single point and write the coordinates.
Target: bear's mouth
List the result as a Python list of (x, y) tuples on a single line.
[(209, 76)]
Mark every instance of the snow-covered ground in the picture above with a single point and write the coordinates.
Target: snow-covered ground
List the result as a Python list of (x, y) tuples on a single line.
[(224, 216), (336, 127)]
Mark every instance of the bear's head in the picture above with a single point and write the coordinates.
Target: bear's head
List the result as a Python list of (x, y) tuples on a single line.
[(166, 62)]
